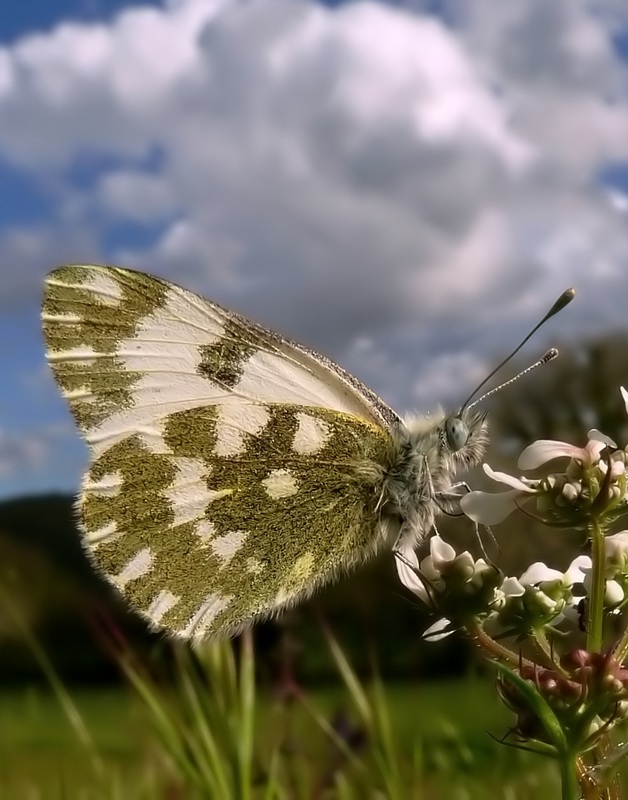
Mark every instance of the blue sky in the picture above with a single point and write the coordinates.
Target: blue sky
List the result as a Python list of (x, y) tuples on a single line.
[(402, 187), (39, 16)]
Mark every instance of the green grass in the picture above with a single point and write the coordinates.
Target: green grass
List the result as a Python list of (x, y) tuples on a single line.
[(440, 730)]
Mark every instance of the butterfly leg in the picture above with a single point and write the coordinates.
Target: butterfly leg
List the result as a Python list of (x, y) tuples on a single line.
[(464, 485), (454, 496), (398, 550), (404, 560)]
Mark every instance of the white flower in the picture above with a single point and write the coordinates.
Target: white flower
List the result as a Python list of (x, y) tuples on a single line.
[(417, 576), (581, 490), (488, 508), (410, 572), (616, 569), (408, 568), (439, 630), (613, 593), (457, 585), (624, 394), (544, 450), (540, 597), (578, 569), (539, 574), (616, 548)]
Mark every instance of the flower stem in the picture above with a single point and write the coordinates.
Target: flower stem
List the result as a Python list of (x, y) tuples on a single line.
[(570, 788), (494, 648), (595, 611), (545, 651)]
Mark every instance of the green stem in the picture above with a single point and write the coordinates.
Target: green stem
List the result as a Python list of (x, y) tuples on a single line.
[(595, 612), (545, 651), (495, 649), (570, 787)]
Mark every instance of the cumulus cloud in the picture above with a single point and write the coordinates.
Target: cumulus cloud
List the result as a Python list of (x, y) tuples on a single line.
[(27, 252), (21, 452), (382, 183)]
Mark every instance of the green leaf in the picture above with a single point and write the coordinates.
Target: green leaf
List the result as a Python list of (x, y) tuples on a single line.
[(539, 706)]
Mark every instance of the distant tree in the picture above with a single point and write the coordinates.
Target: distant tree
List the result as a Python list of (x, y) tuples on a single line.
[(576, 392)]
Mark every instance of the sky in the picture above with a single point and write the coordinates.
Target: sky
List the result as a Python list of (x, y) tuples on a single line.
[(405, 187)]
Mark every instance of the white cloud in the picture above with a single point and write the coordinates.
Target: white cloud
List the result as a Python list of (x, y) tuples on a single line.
[(348, 174), (135, 196), (26, 253), (451, 375), (21, 452), (618, 200)]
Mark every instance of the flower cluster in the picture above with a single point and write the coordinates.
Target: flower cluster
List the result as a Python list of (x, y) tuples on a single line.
[(565, 704), (593, 486), (540, 598), (457, 585), (616, 570), (588, 693), (467, 590)]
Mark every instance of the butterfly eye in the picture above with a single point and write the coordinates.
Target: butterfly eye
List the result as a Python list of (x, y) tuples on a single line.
[(457, 433)]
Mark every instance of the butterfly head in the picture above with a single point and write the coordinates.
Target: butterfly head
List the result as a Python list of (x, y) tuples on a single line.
[(428, 453), (443, 443), (456, 433), (463, 437)]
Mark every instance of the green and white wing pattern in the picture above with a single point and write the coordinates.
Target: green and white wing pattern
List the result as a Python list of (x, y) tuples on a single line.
[(227, 475)]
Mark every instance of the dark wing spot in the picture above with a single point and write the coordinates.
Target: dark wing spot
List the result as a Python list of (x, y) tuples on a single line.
[(224, 361)]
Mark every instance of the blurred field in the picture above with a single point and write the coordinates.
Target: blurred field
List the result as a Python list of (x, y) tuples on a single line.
[(441, 731), (434, 743)]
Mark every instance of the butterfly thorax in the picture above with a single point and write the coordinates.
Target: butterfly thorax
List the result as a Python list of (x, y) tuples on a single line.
[(423, 466)]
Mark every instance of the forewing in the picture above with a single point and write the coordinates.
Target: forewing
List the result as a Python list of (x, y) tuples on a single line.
[(213, 532), (128, 349)]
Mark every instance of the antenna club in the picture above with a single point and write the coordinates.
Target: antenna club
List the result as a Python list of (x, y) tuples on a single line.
[(551, 354), (566, 297)]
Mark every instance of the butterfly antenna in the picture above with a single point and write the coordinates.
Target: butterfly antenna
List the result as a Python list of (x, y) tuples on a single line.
[(551, 354), (566, 297)]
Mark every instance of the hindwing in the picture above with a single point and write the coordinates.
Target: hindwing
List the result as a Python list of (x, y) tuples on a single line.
[(204, 540)]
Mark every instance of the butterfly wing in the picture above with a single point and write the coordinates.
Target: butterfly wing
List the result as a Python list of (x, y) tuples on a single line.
[(127, 348), (204, 543), (228, 465)]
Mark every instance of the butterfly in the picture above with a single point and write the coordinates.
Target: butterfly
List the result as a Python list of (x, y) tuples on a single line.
[(232, 472)]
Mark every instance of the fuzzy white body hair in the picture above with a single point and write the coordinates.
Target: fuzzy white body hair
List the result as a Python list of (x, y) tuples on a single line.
[(423, 466)]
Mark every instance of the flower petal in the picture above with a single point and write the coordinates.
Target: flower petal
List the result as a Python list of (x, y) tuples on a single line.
[(544, 450), (488, 508), (441, 551), (624, 394), (439, 630), (509, 480), (429, 571), (578, 569), (616, 548), (409, 576), (613, 594), (597, 436), (539, 572), (512, 587)]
